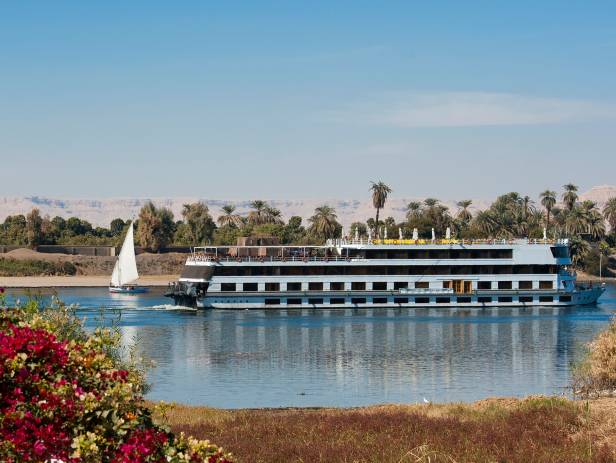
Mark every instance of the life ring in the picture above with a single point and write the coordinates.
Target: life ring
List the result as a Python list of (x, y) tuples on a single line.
[(238, 259), (305, 259)]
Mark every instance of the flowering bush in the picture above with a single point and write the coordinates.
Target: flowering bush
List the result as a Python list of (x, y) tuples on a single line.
[(64, 395)]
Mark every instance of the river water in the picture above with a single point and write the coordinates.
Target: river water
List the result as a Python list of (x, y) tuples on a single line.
[(345, 357)]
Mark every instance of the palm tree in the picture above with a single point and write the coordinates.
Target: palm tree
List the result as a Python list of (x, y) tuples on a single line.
[(257, 215), (527, 206), (464, 214), (272, 215), (570, 195), (576, 221), (596, 224), (609, 212), (413, 210), (431, 202), (324, 223), (229, 219), (548, 200), (578, 249), (485, 223), (379, 196)]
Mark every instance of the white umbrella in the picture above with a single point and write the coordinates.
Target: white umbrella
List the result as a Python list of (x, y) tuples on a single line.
[(400, 233), (415, 234), (433, 237), (356, 234), (370, 234), (385, 233), (545, 234), (448, 233)]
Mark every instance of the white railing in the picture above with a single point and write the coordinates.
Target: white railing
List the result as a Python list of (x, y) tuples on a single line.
[(426, 290), (500, 242)]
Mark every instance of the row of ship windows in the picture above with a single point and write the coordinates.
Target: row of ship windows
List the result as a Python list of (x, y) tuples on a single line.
[(303, 269), (420, 300), (380, 286)]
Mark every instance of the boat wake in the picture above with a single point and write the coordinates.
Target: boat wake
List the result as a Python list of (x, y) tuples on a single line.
[(169, 307)]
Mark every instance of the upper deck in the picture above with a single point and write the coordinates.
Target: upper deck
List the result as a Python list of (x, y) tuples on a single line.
[(428, 251)]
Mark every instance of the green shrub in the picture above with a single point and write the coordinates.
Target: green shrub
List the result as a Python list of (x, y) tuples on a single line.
[(31, 267)]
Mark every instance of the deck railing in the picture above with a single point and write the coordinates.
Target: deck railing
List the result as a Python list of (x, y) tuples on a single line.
[(464, 242)]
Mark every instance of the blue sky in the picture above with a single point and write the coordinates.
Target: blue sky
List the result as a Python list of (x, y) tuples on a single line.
[(294, 100)]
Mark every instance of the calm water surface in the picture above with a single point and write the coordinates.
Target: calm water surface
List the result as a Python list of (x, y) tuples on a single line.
[(274, 358)]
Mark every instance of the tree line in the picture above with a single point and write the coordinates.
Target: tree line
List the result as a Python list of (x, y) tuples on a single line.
[(511, 215)]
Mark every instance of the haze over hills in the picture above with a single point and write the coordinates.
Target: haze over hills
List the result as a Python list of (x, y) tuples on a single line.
[(100, 212)]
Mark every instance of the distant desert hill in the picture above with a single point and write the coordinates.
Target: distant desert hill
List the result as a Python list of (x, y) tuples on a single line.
[(100, 212)]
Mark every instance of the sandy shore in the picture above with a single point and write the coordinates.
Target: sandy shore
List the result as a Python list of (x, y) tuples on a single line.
[(78, 281)]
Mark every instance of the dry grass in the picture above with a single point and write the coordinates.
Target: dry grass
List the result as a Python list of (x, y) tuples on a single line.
[(498, 430)]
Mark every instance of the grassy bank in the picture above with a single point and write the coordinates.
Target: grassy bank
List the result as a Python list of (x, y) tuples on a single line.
[(495, 430)]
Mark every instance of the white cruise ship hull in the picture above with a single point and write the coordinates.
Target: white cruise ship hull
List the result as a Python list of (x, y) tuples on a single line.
[(344, 301)]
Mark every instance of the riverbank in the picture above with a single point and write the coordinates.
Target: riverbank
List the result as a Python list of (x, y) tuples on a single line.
[(538, 429), (78, 281)]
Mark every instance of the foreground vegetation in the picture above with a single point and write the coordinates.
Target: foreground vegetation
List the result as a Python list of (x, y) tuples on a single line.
[(497, 430), (70, 395)]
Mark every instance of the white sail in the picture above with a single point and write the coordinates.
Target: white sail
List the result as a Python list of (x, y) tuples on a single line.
[(125, 270)]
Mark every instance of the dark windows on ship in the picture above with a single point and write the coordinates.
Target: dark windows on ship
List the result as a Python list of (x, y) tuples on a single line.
[(443, 300), (546, 298), (315, 300), (294, 301), (564, 298), (336, 286), (358, 300), (379, 286), (525, 285), (315, 286), (294, 286), (559, 252), (526, 299), (422, 300), (227, 286), (358, 286), (546, 285), (336, 300), (439, 254), (250, 287), (505, 299), (379, 300), (272, 301), (400, 285), (484, 299), (505, 285), (401, 300), (422, 285), (484, 285), (463, 299), (272, 287)]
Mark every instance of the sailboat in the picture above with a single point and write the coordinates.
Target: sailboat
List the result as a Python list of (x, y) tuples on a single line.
[(125, 270)]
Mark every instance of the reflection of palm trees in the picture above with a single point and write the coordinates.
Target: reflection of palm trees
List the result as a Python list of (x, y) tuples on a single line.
[(379, 195)]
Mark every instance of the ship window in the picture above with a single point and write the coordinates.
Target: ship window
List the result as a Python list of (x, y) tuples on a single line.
[(358, 286), (526, 299), (401, 300), (294, 301), (379, 286), (250, 287), (400, 284), (379, 300), (546, 285), (358, 300), (505, 299), (484, 299), (294, 286), (227, 286), (422, 300), (315, 300), (443, 300), (564, 298), (484, 285), (422, 285), (336, 286), (336, 300), (315, 286), (272, 286), (504, 285), (525, 285), (546, 299), (560, 252), (463, 300), (272, 301)]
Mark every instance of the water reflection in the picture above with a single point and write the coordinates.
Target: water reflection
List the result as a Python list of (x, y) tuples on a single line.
[(350, 357)]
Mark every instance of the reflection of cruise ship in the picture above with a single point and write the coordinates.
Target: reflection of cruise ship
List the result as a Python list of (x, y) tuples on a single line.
[(382, 273)]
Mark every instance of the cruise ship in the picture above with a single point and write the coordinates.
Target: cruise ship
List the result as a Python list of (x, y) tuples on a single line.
[(343, 273)]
